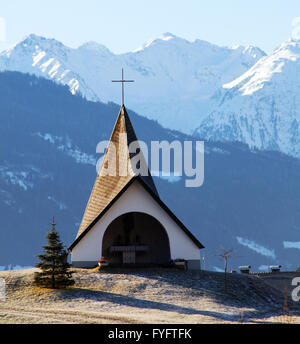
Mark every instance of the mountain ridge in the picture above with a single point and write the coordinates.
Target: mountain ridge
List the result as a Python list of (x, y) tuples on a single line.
[(172, 75), (262, 107)]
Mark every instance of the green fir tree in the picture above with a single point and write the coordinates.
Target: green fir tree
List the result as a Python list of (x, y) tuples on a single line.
[(55, 268)]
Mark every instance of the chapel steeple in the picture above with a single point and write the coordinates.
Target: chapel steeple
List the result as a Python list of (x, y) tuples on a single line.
[(116, 170)]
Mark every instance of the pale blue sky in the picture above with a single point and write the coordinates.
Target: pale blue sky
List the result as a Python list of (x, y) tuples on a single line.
[(125, 25)]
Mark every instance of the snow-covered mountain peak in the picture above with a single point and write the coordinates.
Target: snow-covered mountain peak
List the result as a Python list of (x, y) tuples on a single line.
[(267, 68), (33, 45), (288, 49), (28, 40), (166, 36), (96, 47), (250, 50), (34, 37), (32, 40), (161, 40), (173, 75), (262, 106)]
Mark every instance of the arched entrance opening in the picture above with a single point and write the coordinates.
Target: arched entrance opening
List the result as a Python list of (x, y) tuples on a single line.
[(136, 238)]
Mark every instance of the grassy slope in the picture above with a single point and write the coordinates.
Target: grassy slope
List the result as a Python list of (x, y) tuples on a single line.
[(142, 296)]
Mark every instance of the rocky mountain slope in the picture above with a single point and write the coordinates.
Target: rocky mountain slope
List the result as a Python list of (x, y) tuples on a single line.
[(261, 107)]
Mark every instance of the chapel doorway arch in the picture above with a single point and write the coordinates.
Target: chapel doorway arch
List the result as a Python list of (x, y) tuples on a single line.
[(136, 238)]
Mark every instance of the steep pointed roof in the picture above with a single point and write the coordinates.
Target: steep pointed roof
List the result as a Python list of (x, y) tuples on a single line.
[(116, 161)]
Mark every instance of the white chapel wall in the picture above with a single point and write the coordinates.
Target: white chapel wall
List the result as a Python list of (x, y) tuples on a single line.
[(135, 198)]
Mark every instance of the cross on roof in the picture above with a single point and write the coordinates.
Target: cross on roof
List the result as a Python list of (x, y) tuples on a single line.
[(122, 81)]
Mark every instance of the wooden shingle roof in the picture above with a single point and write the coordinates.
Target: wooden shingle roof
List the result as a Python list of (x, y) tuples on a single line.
[(116, 161)]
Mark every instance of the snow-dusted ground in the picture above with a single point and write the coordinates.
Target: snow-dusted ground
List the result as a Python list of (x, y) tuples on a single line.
[(65, 145), (149, 296)]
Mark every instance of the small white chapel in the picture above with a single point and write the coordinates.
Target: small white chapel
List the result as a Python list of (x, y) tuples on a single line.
[(125, 221)]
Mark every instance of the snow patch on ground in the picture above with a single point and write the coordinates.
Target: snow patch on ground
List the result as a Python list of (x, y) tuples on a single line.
[(59, 204), (218, 269), (65, 145), (79, 156), (252, 245), (216, 150), (23, 177), (10, 202), (291, 244), (220, 151), (263, 268), (19, 178), (49, 137)]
